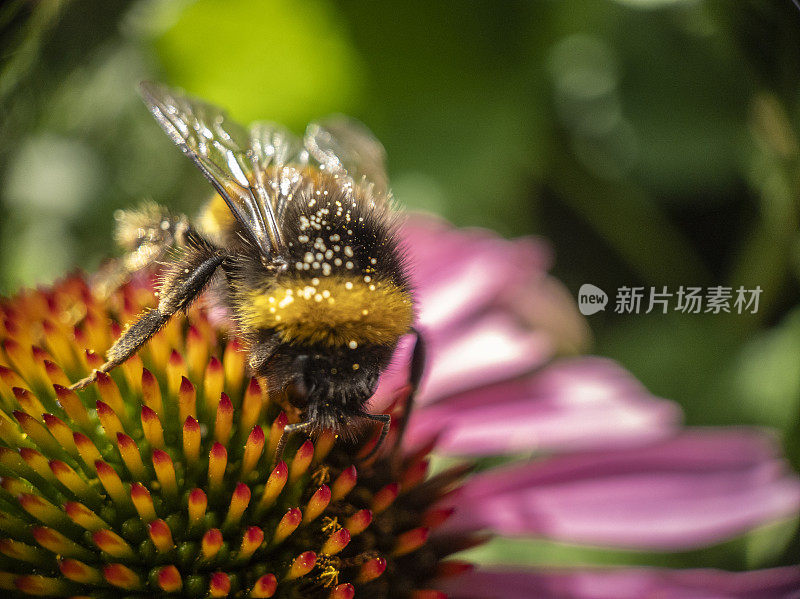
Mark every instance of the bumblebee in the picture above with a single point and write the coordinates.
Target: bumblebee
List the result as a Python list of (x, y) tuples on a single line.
[(305, 236)]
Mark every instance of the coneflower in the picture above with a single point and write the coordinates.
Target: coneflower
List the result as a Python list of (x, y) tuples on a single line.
[(162, 477)]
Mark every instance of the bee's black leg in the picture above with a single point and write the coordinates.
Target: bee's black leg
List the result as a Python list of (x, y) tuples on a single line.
[(182, 281), (288, 431), (387, 421), (416, 370)]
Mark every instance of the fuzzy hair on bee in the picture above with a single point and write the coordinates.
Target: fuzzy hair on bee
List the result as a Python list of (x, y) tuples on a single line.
[(328, 324), (301, 246)]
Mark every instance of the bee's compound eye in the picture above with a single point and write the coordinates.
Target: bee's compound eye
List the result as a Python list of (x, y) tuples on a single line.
[(297, 393)]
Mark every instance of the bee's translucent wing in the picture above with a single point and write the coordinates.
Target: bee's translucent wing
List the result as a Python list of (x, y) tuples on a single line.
[(221, 150), (340, 143), (281, 156)]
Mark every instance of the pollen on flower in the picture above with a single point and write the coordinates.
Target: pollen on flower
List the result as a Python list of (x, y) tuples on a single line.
[(162, 478)]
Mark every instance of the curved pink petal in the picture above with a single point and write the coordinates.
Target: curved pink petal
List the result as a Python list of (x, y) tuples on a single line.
[(545, 304), (629, 583), (701, 487), (491, 349), (574, 404), (458, 272)]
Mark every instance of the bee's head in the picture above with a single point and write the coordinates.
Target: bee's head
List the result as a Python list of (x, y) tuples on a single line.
[(332, 388)]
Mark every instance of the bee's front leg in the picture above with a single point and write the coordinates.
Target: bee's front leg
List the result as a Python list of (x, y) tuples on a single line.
[(416, 371), (182, 282)]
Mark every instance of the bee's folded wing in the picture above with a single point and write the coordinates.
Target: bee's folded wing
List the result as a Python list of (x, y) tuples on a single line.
[(340, 143), (220, 148)]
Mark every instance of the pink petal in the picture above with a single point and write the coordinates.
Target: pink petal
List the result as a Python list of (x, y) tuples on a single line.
[(629, 583), (575, 404), (489, 350), (701, 487), (458, 272), (546, 305)]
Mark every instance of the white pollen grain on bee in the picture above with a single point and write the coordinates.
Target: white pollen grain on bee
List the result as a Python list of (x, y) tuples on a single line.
[(315, 265), (352, 344), (302, 238), (373, 261), (315, 281), (328, 254), (335, 237), (326, 269), (348, 265), (308, 257), (367, 279), (348, 251), (372, 287), (318, 297), (337, 248), (299, 265), (348, 285), (337, 261)]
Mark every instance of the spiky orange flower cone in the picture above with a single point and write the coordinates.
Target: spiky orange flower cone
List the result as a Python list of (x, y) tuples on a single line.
[(161, 478)]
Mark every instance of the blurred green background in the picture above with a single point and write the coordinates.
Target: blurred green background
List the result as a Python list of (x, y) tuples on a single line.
[(654, 142)]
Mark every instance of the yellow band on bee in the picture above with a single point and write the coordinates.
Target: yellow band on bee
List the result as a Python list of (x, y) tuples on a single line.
[(334, 310)]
